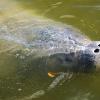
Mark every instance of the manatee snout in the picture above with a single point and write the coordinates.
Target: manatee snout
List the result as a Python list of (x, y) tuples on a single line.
[(94, 48), (86, 59)]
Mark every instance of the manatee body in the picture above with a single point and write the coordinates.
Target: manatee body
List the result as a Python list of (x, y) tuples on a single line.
[(59, 47)]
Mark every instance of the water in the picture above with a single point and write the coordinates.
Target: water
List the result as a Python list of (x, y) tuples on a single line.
[(18, 79)]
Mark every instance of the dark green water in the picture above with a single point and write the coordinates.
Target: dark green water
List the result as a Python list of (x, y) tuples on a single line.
[(82, 14)]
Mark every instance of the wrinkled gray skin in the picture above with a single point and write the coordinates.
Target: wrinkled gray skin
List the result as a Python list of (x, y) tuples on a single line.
[(62, 46)]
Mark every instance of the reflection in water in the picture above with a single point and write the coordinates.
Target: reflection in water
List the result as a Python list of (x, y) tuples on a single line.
[(67, 16), (56, 81), (82, 96), (52, 7)]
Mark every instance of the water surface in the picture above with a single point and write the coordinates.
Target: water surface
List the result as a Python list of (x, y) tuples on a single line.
[(82, 14)]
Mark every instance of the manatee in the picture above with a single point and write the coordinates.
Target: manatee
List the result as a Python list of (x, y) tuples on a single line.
[(61, 47), (46, 47)]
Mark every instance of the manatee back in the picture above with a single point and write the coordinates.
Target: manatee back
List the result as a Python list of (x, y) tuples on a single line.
[(38, 34)]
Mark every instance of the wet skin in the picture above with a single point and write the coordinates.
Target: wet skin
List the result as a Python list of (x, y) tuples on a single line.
[(60, 47)]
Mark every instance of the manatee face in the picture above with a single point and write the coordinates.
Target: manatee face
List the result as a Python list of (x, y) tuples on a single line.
[(93, 50), (97, 55), (85, 60)]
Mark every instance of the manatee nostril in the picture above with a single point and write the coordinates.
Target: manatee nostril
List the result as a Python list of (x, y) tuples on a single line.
[(99, 45), (96, 50)]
